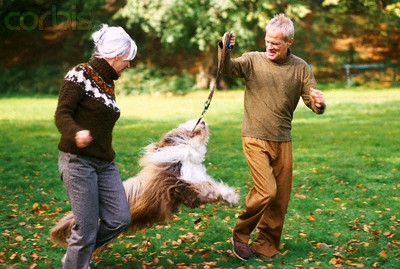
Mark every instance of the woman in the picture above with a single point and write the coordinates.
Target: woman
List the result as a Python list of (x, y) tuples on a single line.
[(85, 116)]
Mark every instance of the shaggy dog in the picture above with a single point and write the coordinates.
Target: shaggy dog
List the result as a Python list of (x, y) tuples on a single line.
[(172, 175)]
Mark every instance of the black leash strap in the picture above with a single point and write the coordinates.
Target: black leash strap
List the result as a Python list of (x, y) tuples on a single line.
[(210, 95)]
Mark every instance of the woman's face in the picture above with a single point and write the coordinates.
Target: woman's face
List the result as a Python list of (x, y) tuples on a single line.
[(119, 63)]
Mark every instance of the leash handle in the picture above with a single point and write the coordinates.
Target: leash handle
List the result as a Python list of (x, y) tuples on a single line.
[(210, 96), (228, 41)]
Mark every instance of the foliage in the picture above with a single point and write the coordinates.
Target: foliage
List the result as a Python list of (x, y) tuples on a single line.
[(45, 79), (196, 26), (144, 80), (187, 24), (181, 36), (343, 211), (328, 33), (354, 27)]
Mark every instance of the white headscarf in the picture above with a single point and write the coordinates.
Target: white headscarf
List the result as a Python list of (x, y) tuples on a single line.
[(110, 42)]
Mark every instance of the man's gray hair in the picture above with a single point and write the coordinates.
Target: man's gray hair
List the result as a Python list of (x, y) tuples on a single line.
[(283, 24)]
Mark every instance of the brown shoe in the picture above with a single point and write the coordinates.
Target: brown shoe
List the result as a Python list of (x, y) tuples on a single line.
[(259, 255), (241, 250)]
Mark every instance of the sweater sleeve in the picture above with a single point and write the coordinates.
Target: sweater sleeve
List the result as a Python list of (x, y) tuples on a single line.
[(70, 96)]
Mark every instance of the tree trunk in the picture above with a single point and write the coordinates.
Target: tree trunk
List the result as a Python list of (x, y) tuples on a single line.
[(208, 71)]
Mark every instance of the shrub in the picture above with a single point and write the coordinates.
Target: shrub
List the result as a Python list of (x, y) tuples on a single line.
[(26, 79), (142, 79)]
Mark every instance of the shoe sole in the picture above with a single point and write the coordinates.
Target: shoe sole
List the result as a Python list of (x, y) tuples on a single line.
[(234, 252)]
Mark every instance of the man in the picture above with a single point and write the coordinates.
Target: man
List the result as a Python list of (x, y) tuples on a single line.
[(274, 82)]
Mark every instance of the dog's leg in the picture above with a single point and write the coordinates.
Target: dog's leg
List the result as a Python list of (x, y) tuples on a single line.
[(211, 191)]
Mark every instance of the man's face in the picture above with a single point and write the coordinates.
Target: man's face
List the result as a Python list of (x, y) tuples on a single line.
[(276, 46)]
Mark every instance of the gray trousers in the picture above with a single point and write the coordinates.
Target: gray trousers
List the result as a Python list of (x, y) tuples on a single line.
[(99, 204)]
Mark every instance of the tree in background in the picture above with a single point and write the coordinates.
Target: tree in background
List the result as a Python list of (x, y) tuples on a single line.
[(182, 35), (191, 29), (341, 32), (40, 40), (329, 33)]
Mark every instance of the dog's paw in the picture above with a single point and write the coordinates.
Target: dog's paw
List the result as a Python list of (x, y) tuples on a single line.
[(228, 194), (231, 197)]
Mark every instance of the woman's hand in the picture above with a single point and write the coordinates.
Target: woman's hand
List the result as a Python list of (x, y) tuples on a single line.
[(83, 138)]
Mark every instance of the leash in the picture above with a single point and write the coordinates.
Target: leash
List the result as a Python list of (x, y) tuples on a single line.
[(212, 90)]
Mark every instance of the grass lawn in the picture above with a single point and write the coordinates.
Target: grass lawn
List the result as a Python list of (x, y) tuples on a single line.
[(344, 209)]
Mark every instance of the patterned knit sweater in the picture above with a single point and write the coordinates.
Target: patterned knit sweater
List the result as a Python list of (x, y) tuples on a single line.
[(273, 90), (87, 102)]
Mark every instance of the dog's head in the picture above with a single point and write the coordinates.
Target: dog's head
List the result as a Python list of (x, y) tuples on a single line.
[(184, 143), (184, 134)]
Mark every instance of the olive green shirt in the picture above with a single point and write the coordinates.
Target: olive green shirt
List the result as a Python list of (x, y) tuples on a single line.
[(272, 92)]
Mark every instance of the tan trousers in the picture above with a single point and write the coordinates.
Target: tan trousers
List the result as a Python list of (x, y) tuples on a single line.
[(271, 169)]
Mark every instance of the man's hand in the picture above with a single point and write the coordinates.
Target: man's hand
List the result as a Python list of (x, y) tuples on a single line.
[(231, 41), (317, 97)]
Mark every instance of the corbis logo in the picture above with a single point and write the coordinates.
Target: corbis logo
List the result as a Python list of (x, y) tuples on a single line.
[(29, 20)]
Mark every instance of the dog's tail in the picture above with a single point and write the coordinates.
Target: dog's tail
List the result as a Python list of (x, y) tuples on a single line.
[(59, 233), (160, 200)]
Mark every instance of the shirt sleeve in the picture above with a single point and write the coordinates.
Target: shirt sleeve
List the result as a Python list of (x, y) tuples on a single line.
[(232, 67), (308, 83)]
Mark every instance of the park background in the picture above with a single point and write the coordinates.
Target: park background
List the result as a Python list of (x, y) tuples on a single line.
[(177, 40), (345, 202)]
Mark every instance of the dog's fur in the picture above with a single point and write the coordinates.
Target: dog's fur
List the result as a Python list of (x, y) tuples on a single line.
[(172, 174)]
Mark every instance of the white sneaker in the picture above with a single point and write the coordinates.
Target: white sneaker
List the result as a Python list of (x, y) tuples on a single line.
[(63, 260)]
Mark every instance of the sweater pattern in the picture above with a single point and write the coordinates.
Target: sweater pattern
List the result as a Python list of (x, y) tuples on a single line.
[(93, 85)]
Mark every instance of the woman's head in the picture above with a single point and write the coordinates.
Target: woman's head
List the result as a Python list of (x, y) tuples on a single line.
[(111, 42), (115, 46)]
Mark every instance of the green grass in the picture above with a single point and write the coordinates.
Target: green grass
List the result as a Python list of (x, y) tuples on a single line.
[(344, 208)]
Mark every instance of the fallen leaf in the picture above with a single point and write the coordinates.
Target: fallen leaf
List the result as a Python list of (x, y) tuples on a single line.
[(323, 245), (365, 244), (12, 257), (19, 238), (337, 262), (376, 232), (35, 206), (384, 254), (358, 265), (311, 218), (302, 235)]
